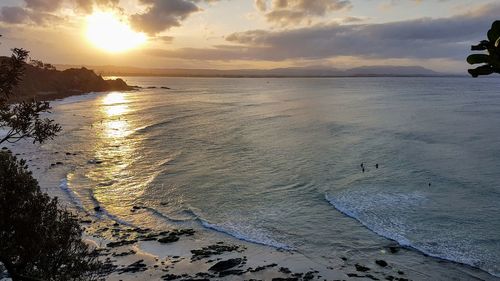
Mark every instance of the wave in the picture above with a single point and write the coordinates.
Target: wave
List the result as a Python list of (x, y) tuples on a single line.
[(100, 211), (76, 98), (173, 120), (238, 231), (366, 205), (391, 215), (245, 233), (167, 218), (63, 185)]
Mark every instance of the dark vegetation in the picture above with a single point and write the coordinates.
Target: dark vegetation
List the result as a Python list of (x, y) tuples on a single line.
[(39, 240), (43, 81), (490, 62)]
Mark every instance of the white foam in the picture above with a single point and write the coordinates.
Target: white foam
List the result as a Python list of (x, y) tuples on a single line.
[(73, 198), (245, 233), (387, 214), (75, 98)]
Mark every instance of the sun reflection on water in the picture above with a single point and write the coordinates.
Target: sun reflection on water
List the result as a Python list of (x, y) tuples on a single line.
[(117, 151)]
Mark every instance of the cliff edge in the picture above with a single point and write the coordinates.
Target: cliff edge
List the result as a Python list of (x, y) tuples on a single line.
[(47, 84)]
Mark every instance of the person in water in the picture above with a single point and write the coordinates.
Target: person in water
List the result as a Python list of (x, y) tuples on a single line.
[(376, 166)]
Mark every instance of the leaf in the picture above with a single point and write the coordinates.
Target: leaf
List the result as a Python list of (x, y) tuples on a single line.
[(482, 70), (482, 46), (478, 58), (494, 32)]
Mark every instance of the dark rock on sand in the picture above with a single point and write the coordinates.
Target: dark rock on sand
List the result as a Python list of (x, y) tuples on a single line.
[(361, 268), (381, 263), (285, 270), (173, 236), (212, 250), (225, 265), (169, 239), (394, 249), (120, 243), (309, 275), (123, 254), (137, 266), (260, 268)]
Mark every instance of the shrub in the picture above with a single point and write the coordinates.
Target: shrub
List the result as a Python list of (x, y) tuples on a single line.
[(490, 62), (38, 239)]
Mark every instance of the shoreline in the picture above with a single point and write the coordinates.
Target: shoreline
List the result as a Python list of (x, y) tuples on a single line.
[(171, 252), (176, 257)]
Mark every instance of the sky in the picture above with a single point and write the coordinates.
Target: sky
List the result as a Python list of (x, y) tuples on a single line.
[(261, 34)]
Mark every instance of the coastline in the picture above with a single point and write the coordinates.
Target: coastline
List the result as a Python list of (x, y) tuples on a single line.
[(162, 261)]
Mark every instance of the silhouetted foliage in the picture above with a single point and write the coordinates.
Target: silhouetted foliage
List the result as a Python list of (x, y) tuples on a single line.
[(491, 61), (38, 239), (42, 65), (22, 120)]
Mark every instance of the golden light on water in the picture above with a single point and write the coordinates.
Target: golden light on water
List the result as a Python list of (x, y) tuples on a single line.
[(107, 32), (114, 98), (115, 104)]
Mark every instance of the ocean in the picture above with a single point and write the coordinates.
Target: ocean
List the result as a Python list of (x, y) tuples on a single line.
[(291, 163)]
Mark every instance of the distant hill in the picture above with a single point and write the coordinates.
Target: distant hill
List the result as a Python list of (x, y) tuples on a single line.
[(377, 71), (44, 84), (391, 71)]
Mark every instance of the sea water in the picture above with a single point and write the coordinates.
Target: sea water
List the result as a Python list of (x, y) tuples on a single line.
[(278, 161)]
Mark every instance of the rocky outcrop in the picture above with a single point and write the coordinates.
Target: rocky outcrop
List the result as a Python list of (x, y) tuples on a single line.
[(46, 84)]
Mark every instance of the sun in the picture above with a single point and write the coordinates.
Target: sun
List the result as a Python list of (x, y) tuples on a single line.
[(107, 32)]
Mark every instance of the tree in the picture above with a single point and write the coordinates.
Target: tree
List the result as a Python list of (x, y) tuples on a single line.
[(39, 240), (491, 61), (24, 120)]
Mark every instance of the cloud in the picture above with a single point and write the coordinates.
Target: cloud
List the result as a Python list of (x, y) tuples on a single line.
[(288, 12), (20, 15), (35, 12), (43, 5), (162, 15), (425, 38), (87, 6), (13, 15)]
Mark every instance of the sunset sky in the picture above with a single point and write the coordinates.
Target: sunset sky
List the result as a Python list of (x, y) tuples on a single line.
[(227, 34)]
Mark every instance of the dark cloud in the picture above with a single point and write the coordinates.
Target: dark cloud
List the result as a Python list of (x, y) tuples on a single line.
[(13, 15), (288, 12), (43, 5), (43, 12), (19, 15), (424, 38), (162, 15)]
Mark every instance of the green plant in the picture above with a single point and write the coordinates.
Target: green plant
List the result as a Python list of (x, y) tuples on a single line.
[(38, 239), (24, 120), (490, 61)]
